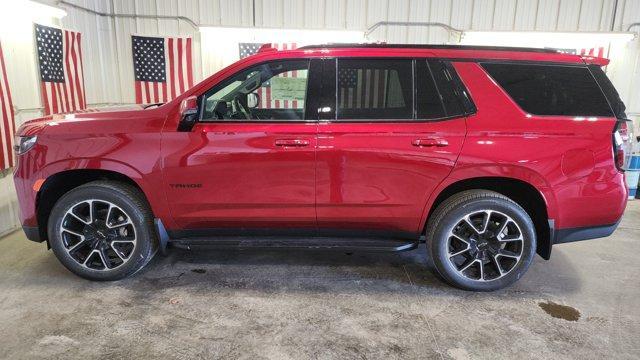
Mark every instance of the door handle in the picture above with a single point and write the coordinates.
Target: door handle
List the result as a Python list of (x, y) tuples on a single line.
[(430, 142), (292, 142)]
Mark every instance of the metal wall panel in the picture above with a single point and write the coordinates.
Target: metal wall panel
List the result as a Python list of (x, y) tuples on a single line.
[(376, 10), (629, 11), (420, 12), (461, 14), (356, 14), (440, 11), (547, 14), (8, 205), (483, 13), (504, 15), (526, 15), (590, 15), (98, 49), (568, 15), (293, 13)]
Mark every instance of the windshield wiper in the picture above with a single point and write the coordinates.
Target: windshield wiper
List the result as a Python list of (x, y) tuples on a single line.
[(152, 105)]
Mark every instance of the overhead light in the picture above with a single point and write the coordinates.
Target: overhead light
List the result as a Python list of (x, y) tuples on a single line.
[(29, 9), (39, 9)]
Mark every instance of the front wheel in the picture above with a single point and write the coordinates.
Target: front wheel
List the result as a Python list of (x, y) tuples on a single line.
[(480, 240), (102, 230)]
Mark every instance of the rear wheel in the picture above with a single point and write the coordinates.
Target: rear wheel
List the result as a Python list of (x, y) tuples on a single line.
[(102, 230), (480, 240)]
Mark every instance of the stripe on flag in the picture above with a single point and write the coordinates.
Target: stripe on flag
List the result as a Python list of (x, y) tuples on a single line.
[(61, 69), (7, 125), (596, 52), (163, 68), (362, 88)]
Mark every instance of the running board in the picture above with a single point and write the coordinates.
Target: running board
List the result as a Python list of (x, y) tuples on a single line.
[(278, 242)]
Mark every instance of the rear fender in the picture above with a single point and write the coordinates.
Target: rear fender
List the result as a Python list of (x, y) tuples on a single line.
[(495, 171)]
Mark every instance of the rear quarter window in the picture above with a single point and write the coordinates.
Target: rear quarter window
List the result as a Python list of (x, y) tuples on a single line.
[(551, 89)]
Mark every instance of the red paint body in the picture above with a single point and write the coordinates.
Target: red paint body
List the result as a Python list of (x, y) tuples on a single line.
[(349, 175)]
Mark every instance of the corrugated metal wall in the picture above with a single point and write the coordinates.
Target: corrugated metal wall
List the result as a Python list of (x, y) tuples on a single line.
[(107, 49), (108, 45)]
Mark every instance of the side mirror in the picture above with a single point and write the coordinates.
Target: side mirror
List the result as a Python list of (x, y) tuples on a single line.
[(188, 113), (253, 100)]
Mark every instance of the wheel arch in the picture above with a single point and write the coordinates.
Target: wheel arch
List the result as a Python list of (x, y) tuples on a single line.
[(530, 198), (61, 182)]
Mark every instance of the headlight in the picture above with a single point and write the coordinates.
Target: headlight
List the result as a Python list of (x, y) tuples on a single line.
[(24, 143)]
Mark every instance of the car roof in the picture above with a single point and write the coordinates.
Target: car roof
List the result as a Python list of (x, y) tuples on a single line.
[(451, 52), (469, 52), (429, 46)]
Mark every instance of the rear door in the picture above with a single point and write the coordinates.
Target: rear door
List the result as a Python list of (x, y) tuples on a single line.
[(387, 138)]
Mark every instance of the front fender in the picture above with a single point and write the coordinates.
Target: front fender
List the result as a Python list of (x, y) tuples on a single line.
[(150, 184)]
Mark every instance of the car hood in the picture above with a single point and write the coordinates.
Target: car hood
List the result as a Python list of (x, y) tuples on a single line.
[(34, 126)]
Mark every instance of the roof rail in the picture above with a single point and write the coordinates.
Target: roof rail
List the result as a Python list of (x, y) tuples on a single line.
[(428, 46)]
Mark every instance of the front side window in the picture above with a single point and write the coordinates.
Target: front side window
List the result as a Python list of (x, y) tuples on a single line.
[(375, 89), (266, 92), (551, 89)]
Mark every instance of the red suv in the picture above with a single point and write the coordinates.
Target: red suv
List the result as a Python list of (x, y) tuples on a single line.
[(488, 154)]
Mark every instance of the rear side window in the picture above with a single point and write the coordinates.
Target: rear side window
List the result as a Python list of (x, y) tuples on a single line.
[(375, 89), (428, 100), (446, 80), (551, 89)]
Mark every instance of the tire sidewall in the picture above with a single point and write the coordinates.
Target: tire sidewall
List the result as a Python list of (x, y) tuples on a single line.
[(440, 241), (141, 252)]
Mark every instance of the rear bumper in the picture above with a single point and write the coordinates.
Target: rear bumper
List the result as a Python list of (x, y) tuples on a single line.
[(32, 233), (560, 236)]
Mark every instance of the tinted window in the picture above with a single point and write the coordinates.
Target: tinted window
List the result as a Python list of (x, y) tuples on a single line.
[(609, 91), (551, 89), (445, 79), (375, 89), (271, 91), (428, 101), (460, 90)]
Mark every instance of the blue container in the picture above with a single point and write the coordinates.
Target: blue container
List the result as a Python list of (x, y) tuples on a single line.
[(633, 175)]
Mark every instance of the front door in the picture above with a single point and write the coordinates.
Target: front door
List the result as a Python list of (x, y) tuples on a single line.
[(394, 138), (249, 163)]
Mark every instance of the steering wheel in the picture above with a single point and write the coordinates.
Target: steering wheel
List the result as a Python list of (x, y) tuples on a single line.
[(238, 105)]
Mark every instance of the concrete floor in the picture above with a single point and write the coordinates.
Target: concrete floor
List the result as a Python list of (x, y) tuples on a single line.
[(296, 305)]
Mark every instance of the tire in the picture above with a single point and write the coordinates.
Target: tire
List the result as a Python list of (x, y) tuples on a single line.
[(102, 231), (494, 255)]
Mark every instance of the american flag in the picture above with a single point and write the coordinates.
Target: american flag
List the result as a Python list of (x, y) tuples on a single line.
[(7, 124), (595, 51), (61, 71), (264, 92), (362, 88), (163, 68)]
